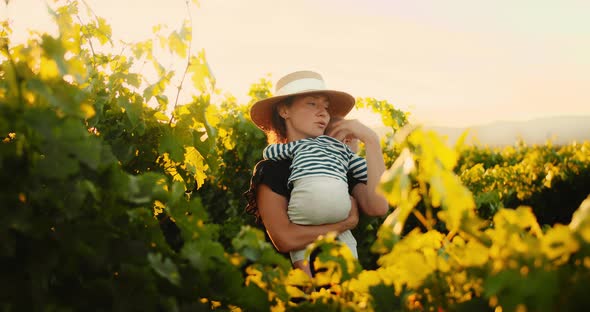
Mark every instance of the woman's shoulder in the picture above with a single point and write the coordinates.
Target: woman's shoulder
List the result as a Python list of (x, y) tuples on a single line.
[(274, 174), (267, 165)]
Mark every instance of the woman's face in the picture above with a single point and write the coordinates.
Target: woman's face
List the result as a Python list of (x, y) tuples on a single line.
[(306, 117)]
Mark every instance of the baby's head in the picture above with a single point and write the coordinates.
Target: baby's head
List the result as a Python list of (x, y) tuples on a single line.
[(349, 140)]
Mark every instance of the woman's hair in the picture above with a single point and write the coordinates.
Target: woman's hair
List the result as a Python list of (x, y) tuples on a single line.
[(278, 132)]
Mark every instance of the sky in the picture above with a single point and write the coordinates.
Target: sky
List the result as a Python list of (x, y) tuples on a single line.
[(449, 63)]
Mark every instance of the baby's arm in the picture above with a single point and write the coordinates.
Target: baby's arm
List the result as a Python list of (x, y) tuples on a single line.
[(357, 166), (278, 151)]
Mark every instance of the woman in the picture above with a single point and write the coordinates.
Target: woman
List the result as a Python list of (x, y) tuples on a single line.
[(300, 109)]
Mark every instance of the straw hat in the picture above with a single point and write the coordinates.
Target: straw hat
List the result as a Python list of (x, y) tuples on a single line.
[(298, 83)]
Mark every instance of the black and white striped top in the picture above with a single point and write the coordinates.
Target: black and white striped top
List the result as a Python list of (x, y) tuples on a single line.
[(320, 156)]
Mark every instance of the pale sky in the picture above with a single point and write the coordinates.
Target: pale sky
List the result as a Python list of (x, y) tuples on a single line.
[(452, 62)]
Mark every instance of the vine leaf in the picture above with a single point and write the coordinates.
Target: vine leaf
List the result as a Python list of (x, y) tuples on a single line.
[(165, 268)]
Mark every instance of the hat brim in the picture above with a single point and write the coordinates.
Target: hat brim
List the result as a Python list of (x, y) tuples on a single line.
[(341, 103)]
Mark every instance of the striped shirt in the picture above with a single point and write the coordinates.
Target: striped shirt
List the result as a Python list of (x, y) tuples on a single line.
[(320, 156)]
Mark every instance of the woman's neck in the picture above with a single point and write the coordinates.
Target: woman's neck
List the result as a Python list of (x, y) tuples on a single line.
[(298, 137)]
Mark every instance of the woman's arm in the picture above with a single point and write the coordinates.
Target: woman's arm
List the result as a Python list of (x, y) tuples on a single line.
[(288, 236), (369, 201), (374, 206)]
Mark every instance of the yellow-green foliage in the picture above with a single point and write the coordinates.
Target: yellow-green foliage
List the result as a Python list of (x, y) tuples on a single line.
[(112, 200)]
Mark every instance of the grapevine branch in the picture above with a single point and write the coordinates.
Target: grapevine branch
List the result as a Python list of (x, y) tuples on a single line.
[(96, 18), (89, 42), (188, 63), (87, 36)]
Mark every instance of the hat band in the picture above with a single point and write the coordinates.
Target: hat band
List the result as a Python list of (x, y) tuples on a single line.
[(301, 85)]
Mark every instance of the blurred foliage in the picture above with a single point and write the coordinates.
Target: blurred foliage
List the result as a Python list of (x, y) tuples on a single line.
[(117, 197), (551, 179)]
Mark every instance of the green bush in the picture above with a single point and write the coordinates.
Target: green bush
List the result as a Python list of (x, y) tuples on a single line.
[(115, 197)]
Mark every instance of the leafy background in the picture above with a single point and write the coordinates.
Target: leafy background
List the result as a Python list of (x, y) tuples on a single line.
[(117, 197)]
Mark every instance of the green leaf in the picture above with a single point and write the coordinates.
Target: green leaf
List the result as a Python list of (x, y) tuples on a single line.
[(201, 73), (176, 193), (124, 151), (177, 45), (191, 217), (186, 32), (141, 48), (171, 144), (134, 79), (165, 268), (250, 243), (12, 86), (159, 87), (537, 289), (54, 50), (203, 255), (133, 108), (54, 164), (66, 143), (104, 31), (253, 298), (77, 141), (384, 298), (143, 189), (162, 103)]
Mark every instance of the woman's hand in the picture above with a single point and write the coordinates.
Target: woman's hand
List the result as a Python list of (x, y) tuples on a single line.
[(352, 128)]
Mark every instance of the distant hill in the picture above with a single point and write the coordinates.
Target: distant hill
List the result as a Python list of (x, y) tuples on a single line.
[(559, 130)]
